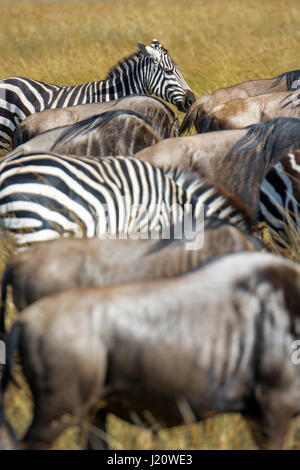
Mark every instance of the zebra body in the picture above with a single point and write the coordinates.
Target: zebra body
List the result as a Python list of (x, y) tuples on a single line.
[(280, 195), (46, 196), (150, 71)]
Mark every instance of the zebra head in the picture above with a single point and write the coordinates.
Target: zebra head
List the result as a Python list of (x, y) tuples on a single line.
[(165, 79)]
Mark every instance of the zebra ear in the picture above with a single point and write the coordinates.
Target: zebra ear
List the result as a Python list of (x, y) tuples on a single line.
[(149, 51)]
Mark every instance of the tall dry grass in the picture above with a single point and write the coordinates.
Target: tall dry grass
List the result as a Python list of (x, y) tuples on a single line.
[(216, 43)]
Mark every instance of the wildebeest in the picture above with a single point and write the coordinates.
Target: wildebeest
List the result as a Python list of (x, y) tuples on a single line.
[(218, 339), (236, 159), (112, 133), (203, 106), (161, 116), (57, 265), (244, 112)]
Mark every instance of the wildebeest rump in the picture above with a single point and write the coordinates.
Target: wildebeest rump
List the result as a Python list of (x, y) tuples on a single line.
[(206, 340), (57, 265), (160, 114)]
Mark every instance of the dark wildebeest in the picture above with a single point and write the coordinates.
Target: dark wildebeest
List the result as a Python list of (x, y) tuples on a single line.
[(236, 159), (203, 342), (244, 112), (57, 265), (108, 134), (198, 112), (280, 198), (161, 116)]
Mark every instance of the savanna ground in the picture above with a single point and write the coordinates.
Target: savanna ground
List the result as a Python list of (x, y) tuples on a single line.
[(216, 43)]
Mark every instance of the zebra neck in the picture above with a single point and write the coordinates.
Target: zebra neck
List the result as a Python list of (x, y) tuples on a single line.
[(125, 79)]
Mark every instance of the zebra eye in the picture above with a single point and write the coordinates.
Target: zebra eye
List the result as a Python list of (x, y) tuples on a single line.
[(169, 71)]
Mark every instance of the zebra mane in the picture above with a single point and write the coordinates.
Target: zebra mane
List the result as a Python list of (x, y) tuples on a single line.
[(121, 65), (269, 140), (191, 181), (95, 122), (290, 77)]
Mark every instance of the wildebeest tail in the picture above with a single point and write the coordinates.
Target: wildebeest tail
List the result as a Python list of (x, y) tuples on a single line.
[(190, 118), (206, 124), (6, 280), (18, 138), (12, 345)]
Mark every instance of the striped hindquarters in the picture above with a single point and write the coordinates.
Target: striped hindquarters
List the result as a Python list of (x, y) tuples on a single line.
[(216, 202), (20, 97), (280, 195), (46, 196)]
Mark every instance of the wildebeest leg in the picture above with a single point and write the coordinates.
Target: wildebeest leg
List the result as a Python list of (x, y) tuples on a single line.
[(95, 440), (44, 429), (62, 393), (274, 421), (277, 400)]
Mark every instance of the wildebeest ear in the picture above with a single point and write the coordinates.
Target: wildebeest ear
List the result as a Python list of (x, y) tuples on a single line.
[(149, 51)]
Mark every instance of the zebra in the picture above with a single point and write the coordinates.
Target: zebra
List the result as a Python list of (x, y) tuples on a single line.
[(148, 71), (280, 197), (45, 196)]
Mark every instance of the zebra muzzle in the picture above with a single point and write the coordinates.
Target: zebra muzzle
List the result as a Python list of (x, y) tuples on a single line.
[(187, 102)]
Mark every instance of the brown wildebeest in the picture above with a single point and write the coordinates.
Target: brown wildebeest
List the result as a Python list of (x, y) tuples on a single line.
[(161, 116), (112, 133), (244, 112), (280, 197), (57, 265), (236, 159), (198, 112), (203, 342)]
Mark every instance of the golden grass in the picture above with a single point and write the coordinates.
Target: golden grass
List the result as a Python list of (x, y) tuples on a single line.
[(216, 43)]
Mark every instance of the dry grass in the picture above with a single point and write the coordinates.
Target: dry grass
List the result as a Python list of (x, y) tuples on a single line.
[(216, 43)]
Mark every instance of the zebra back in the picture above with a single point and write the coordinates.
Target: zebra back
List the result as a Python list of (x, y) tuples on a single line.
[(45, 196)]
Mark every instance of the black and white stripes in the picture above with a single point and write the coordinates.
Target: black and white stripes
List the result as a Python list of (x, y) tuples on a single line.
[(280, 195), (45, 196), (150, 71)]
